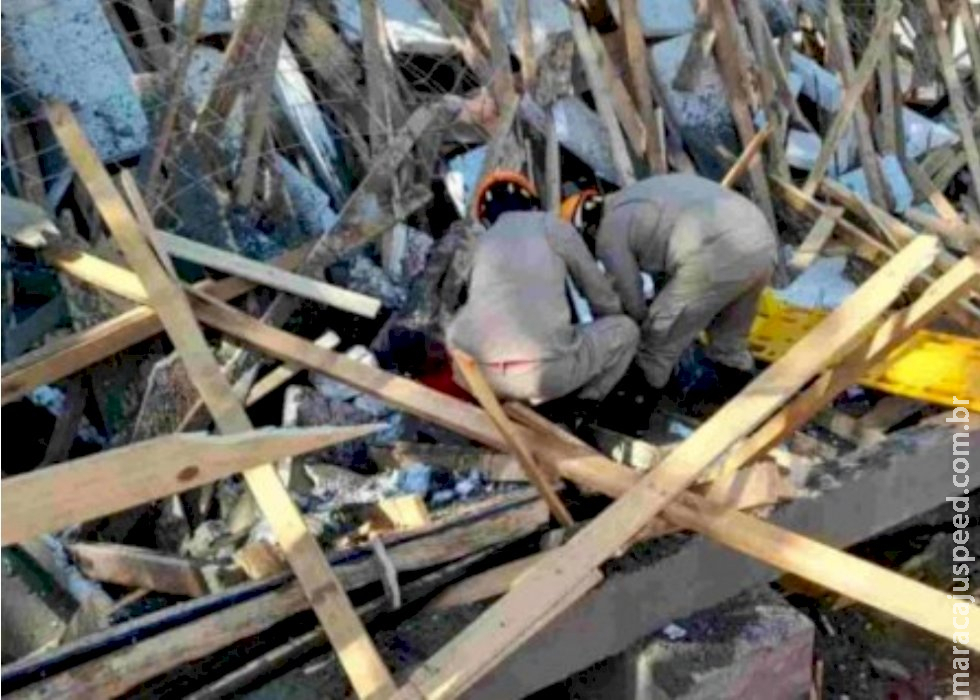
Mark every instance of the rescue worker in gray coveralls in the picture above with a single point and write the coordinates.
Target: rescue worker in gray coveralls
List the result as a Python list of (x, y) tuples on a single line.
[(712, 248), (517, 320)]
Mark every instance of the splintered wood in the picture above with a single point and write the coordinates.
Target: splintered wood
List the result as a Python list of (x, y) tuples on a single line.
[(305, 154)]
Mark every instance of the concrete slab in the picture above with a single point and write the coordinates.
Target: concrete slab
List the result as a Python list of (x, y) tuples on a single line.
[(68, 51), (863, 493), (755, 645)]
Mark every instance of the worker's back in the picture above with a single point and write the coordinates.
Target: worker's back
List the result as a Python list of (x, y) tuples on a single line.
[(516, 307), (668, 218)]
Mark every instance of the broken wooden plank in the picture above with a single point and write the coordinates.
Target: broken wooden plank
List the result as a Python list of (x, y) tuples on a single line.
[(639, 79), (554, 581), (878, 43), (889, 134), (926, 188), (405, 512), (67, 422), (735, 72), (816, 239), (366, 671), (737, 170), (954, 90), (83, 489), (895, 330), (480, 389), (270, 276), (837, 31), (139, 567), (591, 62), (130, 665)]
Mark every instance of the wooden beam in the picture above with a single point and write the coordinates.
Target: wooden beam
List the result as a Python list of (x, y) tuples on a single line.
[(888, 132), (735, 72), (591, 62), (816, 239), (747, 156), (890, 335), (925, 186), (66, 355), (69, 493), (969, 23), (837, 32), (139, 567), (549, 588), (954, 90), (360, 659), (481, 390), (639, 73), (270, 276), (878, 43)]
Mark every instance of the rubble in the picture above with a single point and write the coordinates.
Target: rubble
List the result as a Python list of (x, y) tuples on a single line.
[(227, 213)]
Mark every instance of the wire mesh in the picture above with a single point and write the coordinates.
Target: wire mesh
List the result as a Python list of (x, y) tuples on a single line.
[(118, 63)]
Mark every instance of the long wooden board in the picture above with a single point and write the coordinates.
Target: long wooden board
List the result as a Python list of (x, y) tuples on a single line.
[(545, 590), (270, 276), (360, 659), (49, 499), (64, 356)]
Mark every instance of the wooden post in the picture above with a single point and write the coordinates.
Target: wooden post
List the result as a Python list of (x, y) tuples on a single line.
[(954, 89), (367, 672), (837, 32), (479, 388), (600, 94), (879, 42), (735, 72), (637, 55)]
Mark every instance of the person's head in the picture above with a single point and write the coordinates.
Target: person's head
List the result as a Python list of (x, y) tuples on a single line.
[(583, 210), (502, 191)]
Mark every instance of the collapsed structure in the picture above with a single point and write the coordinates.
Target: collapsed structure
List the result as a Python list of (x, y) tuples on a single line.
[(256, 212)]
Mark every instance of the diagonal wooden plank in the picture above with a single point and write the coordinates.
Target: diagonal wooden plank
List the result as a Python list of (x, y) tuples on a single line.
[(942, 294), (815, 240), (482, 392), (52, 498), (360, 659), (838, 35), (878, 43), (270, 276), (954, 90), (501, 629)]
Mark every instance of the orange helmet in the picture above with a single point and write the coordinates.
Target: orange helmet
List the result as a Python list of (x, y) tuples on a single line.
[(500, 185), (574, 208)]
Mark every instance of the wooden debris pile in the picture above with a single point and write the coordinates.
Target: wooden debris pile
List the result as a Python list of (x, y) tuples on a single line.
[(233, 231)]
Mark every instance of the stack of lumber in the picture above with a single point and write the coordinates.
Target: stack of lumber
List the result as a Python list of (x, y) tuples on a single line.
[(233, 233)]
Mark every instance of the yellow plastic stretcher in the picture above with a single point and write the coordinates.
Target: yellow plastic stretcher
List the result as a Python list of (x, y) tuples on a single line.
[(929, 366)]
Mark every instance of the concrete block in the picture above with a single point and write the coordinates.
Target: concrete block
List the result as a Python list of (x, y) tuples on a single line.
[(67, 51), (755, 646)]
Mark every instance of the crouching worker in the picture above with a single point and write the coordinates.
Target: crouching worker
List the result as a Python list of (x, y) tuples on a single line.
[(711, 251), (517, 320)]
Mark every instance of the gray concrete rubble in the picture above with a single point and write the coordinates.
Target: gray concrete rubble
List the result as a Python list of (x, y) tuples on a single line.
[(755, 645)]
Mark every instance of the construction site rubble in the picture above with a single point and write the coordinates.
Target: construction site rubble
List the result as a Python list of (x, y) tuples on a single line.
[(572, 348)]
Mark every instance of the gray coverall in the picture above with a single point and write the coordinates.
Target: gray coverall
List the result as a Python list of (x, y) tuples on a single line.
[(517, 321), (714, 247)]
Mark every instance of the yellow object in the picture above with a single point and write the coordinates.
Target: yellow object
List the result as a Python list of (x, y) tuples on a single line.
[(571, 204), (929, 366)]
